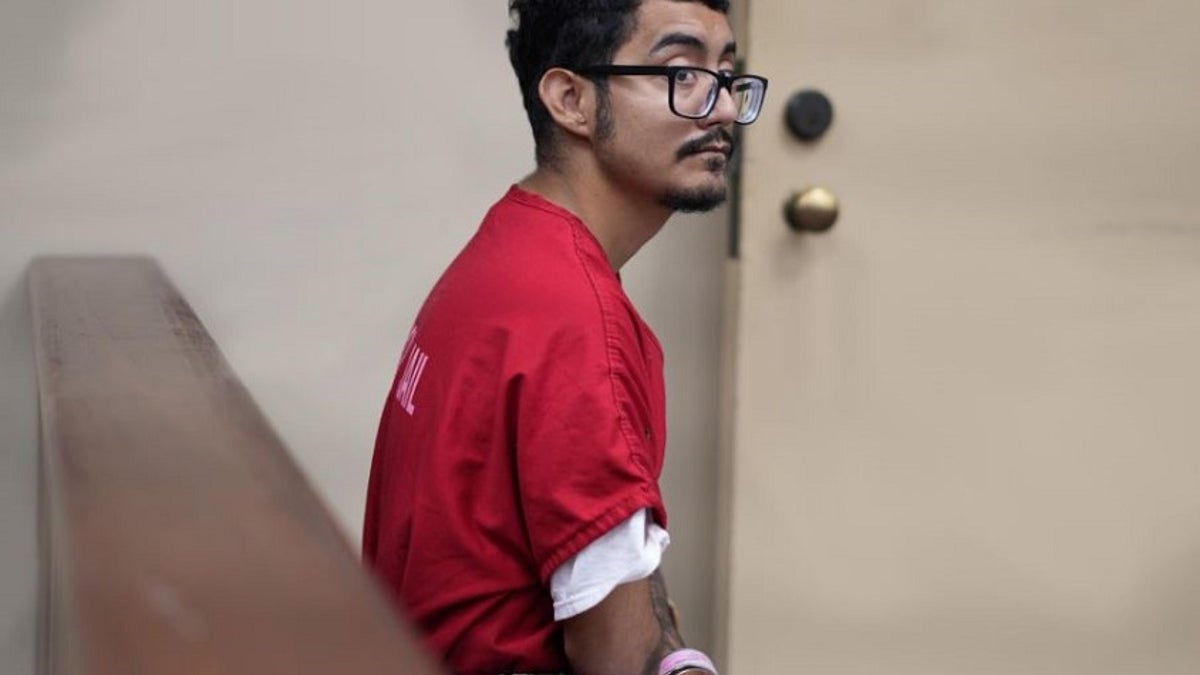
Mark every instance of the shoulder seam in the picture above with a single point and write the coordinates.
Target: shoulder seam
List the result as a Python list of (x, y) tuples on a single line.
[(631, 441)]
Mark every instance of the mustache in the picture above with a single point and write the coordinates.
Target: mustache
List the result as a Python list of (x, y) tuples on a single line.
[(696, 145)]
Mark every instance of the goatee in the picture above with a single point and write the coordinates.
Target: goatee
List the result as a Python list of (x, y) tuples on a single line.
[(694, 200)]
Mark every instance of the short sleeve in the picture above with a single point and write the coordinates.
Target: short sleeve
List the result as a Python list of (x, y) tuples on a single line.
[(588, 437)]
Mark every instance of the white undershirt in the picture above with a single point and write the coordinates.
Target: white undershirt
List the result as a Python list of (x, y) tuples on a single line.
[(628, 552)]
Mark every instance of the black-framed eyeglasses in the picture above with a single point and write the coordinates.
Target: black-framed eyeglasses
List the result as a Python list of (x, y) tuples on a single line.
[(693, 92)]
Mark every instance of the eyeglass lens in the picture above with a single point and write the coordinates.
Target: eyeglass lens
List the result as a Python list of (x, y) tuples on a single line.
[(748, 96), (696, 92)]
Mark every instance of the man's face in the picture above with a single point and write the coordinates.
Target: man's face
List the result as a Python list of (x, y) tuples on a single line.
[(679, 163)]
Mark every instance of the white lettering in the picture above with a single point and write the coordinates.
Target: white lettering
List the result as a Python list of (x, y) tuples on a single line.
[(412, 363)]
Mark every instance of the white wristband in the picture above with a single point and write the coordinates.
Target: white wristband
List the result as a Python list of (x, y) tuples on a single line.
[(683, 660)]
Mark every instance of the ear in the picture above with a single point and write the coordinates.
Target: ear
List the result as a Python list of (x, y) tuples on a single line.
[(570, 100)]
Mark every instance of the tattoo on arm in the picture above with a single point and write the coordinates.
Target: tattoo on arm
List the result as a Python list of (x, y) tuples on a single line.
[(669, 639)]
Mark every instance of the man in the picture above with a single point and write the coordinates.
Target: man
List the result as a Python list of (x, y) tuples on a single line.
[(514, 507)]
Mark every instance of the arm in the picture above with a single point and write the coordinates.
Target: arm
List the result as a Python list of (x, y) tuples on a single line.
[(628, 633)]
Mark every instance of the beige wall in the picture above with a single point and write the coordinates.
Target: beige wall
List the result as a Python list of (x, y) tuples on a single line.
[(303, 169)]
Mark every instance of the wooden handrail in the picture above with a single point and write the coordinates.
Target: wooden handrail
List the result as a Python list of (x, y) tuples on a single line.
[(179, 536)]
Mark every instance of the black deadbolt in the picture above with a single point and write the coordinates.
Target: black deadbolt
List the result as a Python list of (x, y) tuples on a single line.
[(809, 114)]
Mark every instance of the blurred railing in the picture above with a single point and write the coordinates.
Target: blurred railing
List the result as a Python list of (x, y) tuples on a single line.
[(178, 536)]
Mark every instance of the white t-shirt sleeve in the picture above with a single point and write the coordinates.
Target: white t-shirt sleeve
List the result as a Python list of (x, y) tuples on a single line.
[(628, 552)]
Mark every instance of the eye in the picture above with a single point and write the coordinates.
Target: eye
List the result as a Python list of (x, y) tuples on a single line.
[(685, 77)]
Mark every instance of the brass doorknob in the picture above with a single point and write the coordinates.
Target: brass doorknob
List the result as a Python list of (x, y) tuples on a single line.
[(814, 209)]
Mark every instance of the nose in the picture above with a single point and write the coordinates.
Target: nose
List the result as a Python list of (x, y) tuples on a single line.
[(724, 111)]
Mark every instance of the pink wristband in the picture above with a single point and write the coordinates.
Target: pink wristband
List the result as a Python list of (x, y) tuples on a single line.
[(683, 659)]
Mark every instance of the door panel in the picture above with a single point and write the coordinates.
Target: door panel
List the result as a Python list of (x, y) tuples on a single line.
[(966, 421)]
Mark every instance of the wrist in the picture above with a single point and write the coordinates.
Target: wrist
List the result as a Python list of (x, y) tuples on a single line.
[(687, 662)]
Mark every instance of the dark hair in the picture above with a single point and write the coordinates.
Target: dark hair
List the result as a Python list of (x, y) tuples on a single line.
[(568, 34)]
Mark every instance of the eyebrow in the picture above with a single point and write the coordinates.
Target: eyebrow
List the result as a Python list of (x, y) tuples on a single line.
[(686, 40)]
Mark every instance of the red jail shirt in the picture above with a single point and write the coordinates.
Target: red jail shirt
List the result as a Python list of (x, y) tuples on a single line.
[(527, 418)]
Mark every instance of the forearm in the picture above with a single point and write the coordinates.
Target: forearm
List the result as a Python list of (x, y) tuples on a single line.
[(669, 638)]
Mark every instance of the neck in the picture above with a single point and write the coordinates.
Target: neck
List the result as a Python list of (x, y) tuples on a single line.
[(620, 221)]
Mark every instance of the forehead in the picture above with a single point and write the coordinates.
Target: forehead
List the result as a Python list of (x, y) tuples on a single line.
[(658, 21)]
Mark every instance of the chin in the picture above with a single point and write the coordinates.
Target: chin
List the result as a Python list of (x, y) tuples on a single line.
[(695, 199)]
